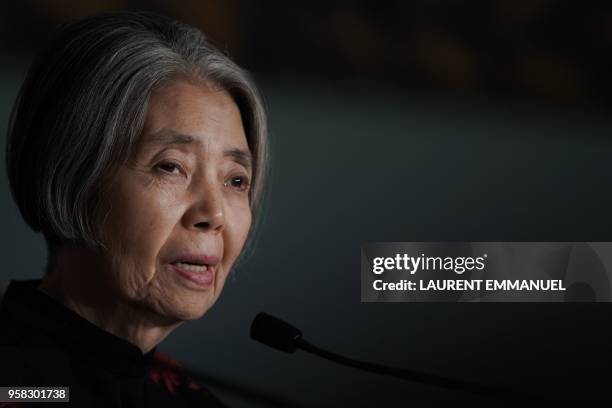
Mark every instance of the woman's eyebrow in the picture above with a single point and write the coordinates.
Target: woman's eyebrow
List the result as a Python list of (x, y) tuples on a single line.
[(171, 137), (240, 156)]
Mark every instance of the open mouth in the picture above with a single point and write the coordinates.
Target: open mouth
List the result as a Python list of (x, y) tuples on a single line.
[(192, 267), (197, 268), (201, 275)]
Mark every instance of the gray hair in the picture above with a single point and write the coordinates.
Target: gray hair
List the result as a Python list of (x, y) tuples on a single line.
[(81, 110)]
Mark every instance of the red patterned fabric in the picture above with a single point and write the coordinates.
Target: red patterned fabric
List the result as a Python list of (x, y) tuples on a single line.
[(169, 373)]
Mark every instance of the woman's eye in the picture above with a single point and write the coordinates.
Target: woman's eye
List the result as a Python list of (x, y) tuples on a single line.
[(238, 182), (169, 167)]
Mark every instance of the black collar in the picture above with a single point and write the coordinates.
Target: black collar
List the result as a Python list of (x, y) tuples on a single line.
[(43, 321)]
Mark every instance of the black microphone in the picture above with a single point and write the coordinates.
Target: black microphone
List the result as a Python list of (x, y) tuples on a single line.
[(282, 336)]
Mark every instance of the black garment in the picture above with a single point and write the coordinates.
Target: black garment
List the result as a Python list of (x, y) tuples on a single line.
[(43, 343)]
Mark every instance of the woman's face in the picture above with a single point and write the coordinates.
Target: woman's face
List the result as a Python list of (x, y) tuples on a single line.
[(179, 210)]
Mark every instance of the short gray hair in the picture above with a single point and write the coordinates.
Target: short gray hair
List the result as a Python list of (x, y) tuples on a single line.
[(82, 108)]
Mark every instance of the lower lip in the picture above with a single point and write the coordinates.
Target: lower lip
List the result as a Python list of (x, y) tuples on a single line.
[(202, 279)]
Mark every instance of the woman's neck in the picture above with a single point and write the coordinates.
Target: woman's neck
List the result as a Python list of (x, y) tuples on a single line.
[(76, 278)]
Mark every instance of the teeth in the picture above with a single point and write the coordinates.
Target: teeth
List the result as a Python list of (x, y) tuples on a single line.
[(191, 267)]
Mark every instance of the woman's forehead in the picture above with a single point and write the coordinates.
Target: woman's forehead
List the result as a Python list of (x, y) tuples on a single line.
[(186, 94), (182, 113)]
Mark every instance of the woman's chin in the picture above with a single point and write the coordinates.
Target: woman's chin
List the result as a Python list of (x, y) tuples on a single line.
[(188, 311)]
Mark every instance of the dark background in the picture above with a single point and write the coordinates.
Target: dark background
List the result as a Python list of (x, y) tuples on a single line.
[(402, 121)]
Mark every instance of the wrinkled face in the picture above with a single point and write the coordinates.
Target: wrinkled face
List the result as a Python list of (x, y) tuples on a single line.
[(179, 211)]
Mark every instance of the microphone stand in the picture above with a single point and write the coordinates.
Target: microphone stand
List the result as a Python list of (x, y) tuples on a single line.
[(282, 336), (410, 375)]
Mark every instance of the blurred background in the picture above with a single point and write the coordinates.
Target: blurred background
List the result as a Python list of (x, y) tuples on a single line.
[(434, 120)]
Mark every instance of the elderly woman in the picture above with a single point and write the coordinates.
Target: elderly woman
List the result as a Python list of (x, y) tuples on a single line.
[(138, 150)]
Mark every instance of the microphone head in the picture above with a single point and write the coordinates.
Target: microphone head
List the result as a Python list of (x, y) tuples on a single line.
[(274, 332)]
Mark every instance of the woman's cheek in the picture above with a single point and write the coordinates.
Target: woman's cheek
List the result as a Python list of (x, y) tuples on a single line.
[(239, 223), (147, 220), (159, 215)]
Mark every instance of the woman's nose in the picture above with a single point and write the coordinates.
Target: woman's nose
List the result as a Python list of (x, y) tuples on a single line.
[(207, 210)]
